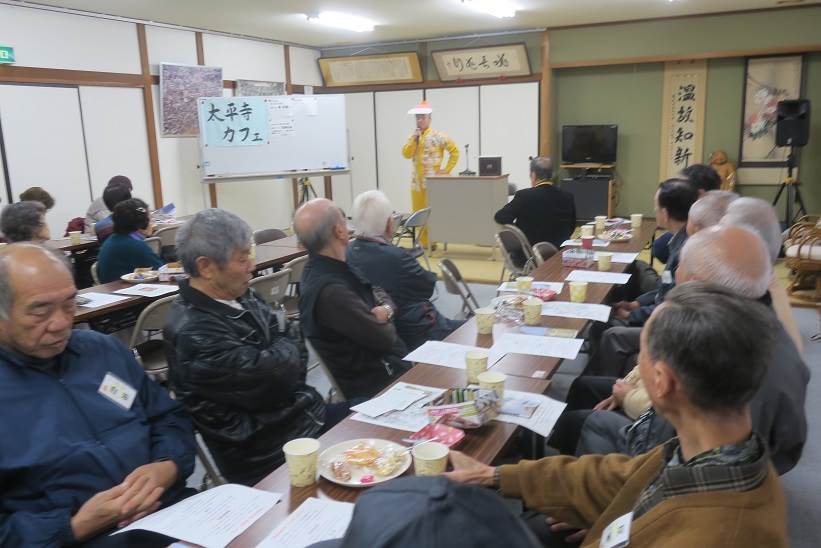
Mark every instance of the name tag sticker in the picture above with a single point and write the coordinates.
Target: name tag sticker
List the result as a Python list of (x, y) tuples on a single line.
[(118, 391), (666, 277), (617, 534)]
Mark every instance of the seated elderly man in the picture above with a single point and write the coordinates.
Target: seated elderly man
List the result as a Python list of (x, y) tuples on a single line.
[(25, 222), (89, 443), (737, 259), (240, 375), (396, 271), (346, 319), (704, 373), (759, 215)]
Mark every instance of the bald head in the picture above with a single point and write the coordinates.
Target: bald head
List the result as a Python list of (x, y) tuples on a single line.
[(317, 224), (730, 256), (36, 301), (709, 209)]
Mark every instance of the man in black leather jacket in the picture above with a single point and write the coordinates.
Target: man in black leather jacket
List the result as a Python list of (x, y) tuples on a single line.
[(240, 376)]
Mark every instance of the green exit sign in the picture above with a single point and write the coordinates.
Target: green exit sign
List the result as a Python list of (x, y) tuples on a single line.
[(6, 54)]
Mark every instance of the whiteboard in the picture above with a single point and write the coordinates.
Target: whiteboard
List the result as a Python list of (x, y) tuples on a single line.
[(315, 139)]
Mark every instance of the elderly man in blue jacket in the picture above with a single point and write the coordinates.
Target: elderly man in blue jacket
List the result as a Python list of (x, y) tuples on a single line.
[(396, 271), (87, 442)]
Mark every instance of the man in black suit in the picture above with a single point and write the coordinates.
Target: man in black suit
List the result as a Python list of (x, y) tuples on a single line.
[(544, 213)]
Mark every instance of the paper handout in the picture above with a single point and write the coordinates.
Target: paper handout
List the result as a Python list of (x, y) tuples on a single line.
[(592, 276), (585, 311), (555, 347), (314, 521), (532, 411)]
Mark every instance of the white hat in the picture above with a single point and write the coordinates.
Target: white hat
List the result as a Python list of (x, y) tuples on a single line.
[(423, 107)]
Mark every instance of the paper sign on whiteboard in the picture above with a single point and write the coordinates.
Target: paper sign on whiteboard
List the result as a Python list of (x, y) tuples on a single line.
[(234, 121)]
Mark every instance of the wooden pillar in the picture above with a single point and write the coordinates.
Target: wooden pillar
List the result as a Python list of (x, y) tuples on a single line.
[(212, 188), (546, 100), (150, 124)]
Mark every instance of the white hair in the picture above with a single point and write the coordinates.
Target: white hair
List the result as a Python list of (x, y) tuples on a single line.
[(710, 208), (705, 257), (759, 216), (370, 213)]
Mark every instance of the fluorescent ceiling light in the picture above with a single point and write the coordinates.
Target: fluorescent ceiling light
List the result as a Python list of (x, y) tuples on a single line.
[(341, 20), (496, 8)]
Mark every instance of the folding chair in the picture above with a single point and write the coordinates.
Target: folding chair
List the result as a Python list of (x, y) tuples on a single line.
[(542, 251), (291, 300), (273, 288), (515, 249), (336, 392), (212, 477), (417, 220), (167, 235), (268, 235), (155, 244), (455, 284), (94, 275), (151, 352)]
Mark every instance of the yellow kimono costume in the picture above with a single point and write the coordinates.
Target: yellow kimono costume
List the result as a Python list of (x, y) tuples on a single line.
[(427, 160)]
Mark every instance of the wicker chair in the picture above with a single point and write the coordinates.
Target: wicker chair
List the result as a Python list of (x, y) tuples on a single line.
[(803, 258)]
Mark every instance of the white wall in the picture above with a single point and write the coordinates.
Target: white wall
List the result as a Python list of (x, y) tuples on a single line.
[(116, 138), (456, 113), (170, 46), (244, 59), (304, 67), (48, 39)]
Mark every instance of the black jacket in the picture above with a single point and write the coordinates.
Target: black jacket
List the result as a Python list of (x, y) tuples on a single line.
[(363, 354), (242, 380), (409, 285), (544, 213)]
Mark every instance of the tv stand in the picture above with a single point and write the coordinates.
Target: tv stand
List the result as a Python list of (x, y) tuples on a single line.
[(594, 194)]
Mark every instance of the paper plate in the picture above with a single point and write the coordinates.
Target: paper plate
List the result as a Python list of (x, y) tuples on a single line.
[(141, 277), (337, 451)]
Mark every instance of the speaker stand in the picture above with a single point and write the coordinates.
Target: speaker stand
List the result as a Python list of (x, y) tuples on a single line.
[(791, 184)]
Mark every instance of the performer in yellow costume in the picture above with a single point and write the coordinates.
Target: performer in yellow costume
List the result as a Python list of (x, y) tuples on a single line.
[(427, 148)]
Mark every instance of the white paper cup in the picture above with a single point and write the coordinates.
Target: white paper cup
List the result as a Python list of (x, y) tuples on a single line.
[(75, 237), (475, 364), (524, 284), (600, 219), (484, 320), (605, 260), (635, 220), (301, 455), (578, 292), (587, 230), (493, 380), (430, 458), (532, 309)]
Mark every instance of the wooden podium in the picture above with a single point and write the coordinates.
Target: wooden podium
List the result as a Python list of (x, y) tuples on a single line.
[(462, 208)]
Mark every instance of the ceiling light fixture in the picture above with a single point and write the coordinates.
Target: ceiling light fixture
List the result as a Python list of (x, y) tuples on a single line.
[(496, 8), (341, 20)]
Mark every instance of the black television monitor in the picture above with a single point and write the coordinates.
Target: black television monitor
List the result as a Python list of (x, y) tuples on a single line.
[(589, 144)]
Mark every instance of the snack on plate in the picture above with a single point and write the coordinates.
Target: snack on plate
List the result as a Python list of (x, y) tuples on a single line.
[(142, 270), (617, 234), (362, 454), (340, 470), (175, 264), (387, 463)]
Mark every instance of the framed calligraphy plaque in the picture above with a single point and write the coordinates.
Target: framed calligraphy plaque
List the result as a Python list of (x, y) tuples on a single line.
[(363, 70), (485, 62), (682, 116)]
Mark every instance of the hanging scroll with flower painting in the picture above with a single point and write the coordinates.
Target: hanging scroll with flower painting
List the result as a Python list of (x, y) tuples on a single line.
[(768, 81), (682, 116)]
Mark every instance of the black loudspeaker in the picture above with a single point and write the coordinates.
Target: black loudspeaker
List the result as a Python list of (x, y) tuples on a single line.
[(792, 123)]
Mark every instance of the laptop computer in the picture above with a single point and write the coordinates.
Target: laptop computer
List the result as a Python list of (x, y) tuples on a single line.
[(490, 166)]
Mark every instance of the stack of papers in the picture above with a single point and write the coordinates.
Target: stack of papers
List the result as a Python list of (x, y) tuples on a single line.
[(625, 258), (398, 398), (314, 521), (596, 243), (99, 299), (148, 290), (532, 411), (584, 311), (412, 418), (535, 345), (442, 353), (212, 518), (510, 287), (594, 276)]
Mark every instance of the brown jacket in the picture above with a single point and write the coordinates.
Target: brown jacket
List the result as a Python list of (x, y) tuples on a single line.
[(592, 491)]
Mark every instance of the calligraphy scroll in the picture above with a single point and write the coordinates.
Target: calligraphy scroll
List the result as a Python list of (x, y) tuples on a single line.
[(485, 62), (234, 121), (682, 116)]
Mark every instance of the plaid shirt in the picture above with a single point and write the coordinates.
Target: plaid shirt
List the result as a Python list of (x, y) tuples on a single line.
[(730, 467)]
